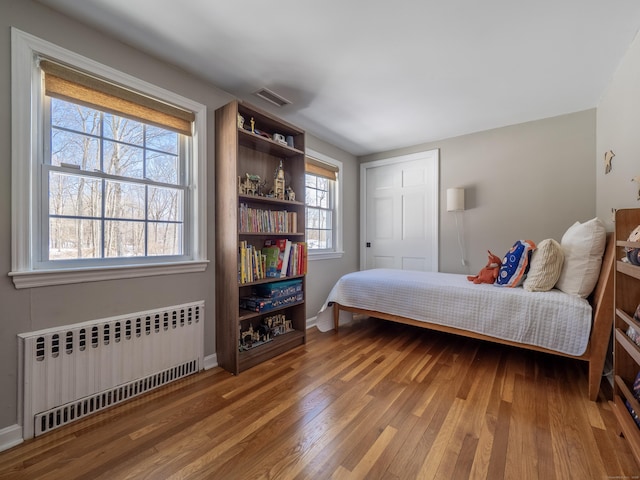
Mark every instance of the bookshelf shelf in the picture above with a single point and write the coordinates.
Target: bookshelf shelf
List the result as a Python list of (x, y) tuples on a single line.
[(243, 156), (626, 352)]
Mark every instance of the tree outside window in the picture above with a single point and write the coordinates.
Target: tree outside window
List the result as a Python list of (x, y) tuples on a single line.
[(114, 186)]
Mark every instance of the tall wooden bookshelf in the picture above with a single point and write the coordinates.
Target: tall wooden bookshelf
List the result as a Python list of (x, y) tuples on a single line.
[(252, 149), (626, 352)]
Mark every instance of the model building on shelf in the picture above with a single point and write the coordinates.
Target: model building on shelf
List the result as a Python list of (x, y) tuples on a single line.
[(270, 328)]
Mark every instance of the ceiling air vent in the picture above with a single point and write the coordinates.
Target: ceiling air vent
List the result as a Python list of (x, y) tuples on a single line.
[(271, 97)]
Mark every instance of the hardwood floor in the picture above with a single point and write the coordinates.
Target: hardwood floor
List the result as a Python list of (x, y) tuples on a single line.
[(377, 401)]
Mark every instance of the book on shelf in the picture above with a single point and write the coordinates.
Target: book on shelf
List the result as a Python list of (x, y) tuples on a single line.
[(273, 262), (285, 259), (256, 220), (292, 257), (251, 263)]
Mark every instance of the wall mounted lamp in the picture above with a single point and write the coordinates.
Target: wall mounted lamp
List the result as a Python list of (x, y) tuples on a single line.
[(455, 199)]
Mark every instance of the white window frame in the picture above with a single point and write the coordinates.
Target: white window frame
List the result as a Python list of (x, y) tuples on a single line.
[(336, 251), (26, 151)]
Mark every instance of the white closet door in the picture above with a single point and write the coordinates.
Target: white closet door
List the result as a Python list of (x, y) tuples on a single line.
[(400, 212)]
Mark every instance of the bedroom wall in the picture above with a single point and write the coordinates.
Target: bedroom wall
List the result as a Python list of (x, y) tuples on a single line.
[(322, 274), (37, 308), (618, 124), (527, 181), (32, 309)]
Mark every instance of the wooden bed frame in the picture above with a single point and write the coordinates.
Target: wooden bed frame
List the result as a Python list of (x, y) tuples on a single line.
[(601, 301)]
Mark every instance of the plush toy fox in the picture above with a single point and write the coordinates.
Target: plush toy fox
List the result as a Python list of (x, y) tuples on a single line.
[(490, 272)]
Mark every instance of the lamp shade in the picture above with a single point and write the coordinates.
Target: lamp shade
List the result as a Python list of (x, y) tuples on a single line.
[(455, 199)]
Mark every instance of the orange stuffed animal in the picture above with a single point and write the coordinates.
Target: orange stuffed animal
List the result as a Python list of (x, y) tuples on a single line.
[(490, 272)]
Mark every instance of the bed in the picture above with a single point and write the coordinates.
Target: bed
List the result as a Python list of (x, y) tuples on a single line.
[(551, 322)]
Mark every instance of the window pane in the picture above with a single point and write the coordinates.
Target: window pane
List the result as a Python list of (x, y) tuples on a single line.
[(123, 239), (310, 181), (323, 183), (313, 239), (76, 196), (322, 198), (73, 238), (165, 238), (324, 239), (319, 210), (124, 200), (162, 167), (74, 148), (310, 197), (312, 217), (324, 219), (162, 140), (75, 117), (165, 204), (92, 216), (123, 129), (123, 160)]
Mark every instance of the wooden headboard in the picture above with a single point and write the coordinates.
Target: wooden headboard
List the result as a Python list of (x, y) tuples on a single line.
[(602, 304)]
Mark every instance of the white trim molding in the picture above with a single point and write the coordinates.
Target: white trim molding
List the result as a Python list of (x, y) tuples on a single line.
[(26, 87), (337, 251), (434, 157), (10, 437)]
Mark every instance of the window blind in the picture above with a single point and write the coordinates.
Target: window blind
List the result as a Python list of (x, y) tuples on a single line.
[(321, 169), (69, 84)]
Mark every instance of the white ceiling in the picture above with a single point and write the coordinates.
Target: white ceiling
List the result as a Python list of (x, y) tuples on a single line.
[(374, 75)]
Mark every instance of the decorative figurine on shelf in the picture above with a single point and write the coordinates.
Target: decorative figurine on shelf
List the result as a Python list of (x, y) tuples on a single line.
[(240, 121), (279, 138), (251, 185), (290, 194), (253, 125), (278, 183)]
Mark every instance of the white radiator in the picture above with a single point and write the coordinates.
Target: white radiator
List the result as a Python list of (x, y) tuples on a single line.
[(70, 372)]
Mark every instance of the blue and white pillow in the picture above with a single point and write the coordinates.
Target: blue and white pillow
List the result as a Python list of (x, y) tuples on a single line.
[(515, 264)]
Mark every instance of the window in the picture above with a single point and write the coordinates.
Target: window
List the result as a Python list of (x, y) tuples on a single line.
[(323, 230), (113, 185)]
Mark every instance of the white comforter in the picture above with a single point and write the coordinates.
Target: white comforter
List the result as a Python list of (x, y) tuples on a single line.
[(553, 319)]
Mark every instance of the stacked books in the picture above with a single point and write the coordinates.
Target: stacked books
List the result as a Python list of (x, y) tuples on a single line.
[(276, 259), (254, 220), (269, 296)]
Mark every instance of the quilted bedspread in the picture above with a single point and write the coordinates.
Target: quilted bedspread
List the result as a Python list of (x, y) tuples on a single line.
[(553, 320)]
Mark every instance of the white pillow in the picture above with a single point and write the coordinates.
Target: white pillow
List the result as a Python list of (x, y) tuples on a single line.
[(546, 266), (583, 246)]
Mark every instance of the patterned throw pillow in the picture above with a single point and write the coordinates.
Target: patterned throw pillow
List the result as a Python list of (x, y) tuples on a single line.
[(515, 264), (546, 266)]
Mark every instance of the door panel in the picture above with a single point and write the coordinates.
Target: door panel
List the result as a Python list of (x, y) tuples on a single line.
[(401, 213)]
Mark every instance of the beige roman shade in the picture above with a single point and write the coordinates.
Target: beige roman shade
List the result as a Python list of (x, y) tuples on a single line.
[(321, 169), (68, 84)]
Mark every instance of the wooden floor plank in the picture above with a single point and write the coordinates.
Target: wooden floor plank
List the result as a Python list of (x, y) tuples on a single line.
[(376, 400)]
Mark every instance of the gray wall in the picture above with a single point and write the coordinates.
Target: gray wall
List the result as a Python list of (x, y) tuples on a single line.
[(37, 308), (322, 274), (618, 130), (33, 309), (527, 181)]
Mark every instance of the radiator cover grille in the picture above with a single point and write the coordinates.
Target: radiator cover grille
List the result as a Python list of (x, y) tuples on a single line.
[(72, 371)]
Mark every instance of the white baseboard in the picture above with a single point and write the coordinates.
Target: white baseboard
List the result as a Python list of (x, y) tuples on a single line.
[(210, 361), (10, 437), (311, 322)]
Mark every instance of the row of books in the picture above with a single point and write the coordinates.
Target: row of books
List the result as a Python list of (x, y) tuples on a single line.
[(276, 259), (254, 220)]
